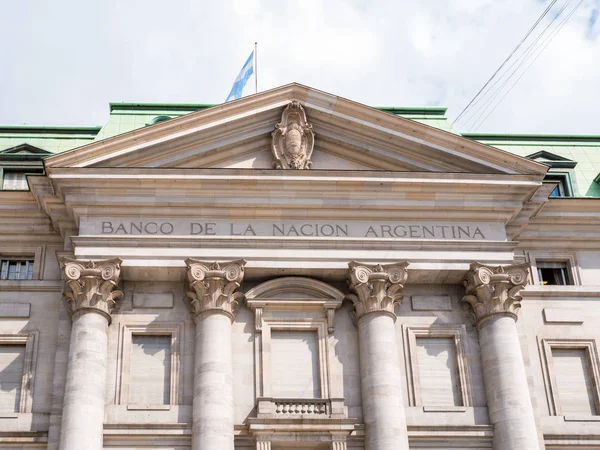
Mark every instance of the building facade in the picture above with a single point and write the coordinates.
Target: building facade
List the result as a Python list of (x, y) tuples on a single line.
[(294, 270)]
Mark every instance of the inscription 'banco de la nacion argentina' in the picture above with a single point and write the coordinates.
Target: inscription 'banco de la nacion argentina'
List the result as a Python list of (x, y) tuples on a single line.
[(382, 230)]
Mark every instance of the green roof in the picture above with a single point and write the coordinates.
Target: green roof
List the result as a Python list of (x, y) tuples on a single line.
[(51, 139), (127, 116), (585, 149)]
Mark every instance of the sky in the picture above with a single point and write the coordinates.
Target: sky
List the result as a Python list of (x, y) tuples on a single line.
[(64, 61)]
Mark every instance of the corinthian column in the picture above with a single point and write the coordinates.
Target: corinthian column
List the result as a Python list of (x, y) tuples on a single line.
[(494, 294), (376, 293), (213, 302), (90, 297)]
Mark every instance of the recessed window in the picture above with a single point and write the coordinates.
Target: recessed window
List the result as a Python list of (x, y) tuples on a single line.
[(150, 375), (295, 359), (150, 381), (561, 172), (574, 381), (563, 185), (570, 368), (17, 372), (16, 269), (438, 375), (12, 358), (438, 371), (553, 273), (14, 181), (558, 191)]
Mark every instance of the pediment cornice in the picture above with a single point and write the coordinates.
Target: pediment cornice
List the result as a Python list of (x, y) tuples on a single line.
[(347, 129)]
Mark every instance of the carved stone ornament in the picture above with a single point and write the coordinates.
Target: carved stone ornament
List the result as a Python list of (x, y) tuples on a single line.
[(90, 285), (293, 139), (376, 288), (495, 290), (213, 285)]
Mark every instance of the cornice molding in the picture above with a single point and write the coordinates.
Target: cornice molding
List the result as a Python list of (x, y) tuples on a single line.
[(90, 285), (322, 107), (212, 286), (376, 288), (493, 290)]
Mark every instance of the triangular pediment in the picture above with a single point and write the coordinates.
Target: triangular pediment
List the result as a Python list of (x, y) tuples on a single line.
[(552, 160), (347, 136), (25, 150)]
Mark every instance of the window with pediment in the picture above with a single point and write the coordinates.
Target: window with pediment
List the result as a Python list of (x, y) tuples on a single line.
[(18, 162), (294, 323), (561, 174)]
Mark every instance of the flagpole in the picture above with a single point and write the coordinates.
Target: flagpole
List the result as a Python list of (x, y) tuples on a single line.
[(256, 67)]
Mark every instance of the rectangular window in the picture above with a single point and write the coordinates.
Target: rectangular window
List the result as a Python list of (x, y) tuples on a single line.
[(438, 371), (553, 273), (16, 269), (295, 361), (150, 370), (14, 181), (574, 381), (563, 184), (558, 191), (12, 359)]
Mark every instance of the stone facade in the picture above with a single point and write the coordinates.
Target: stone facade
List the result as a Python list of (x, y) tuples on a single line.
[(185, 293)]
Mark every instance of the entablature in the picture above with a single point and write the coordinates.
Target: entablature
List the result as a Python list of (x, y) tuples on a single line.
[(229, 193), (162, 258)]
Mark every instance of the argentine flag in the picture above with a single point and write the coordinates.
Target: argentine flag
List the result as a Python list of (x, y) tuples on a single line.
[(242, 79)]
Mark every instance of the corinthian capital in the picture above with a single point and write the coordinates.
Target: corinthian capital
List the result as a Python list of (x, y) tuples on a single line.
[(376, 287), (213, 285), (495, 290), (90, 285)]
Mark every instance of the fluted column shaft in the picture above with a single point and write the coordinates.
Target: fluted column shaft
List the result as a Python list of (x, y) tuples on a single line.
[(376, 292), (494, 294), (213, 302), (90, 297)]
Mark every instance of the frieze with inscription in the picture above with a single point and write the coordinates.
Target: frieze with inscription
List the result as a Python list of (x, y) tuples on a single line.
[(296, 228)]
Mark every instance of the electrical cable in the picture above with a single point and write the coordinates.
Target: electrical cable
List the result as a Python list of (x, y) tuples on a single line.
[(551, 37), (507, 59), (520, 61), (524, 55)]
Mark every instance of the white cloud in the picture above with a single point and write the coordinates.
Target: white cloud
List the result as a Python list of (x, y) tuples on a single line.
[(66, 61)]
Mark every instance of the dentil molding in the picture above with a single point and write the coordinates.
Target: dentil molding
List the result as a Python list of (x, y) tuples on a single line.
[(90, 285)]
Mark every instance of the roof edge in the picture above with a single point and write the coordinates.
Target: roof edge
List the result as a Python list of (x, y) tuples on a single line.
[(532, 137), (183, 107), (414, 110), (37, 129)]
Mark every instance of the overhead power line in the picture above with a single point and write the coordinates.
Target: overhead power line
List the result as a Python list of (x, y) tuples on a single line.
[(545, 44), (473, 115), (528, 52), (506, 60)]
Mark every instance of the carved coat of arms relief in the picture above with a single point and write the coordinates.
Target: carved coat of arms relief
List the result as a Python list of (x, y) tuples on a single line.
[(293, 139)]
